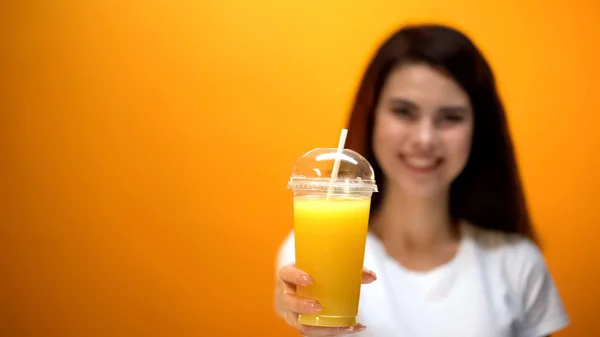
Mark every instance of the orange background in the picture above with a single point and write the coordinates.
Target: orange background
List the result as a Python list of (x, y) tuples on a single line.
[(145, 148)]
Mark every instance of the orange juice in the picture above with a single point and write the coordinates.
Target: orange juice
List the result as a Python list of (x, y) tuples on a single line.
[(330, 239)]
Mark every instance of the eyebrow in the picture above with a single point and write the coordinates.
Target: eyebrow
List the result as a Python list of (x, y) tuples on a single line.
[(456, 109), (402, 101)]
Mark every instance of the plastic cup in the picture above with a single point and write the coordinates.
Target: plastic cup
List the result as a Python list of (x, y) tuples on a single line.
[(331, 217)]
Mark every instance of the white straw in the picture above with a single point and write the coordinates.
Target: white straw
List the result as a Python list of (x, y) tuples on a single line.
[(336, 164)]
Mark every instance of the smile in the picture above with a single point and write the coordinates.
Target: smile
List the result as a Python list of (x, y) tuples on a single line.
[(421, 164)]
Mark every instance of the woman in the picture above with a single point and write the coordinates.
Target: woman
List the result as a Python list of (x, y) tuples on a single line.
[(451, 243)]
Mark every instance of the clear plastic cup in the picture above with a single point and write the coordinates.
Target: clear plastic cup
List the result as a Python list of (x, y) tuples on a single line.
[(331, 218)]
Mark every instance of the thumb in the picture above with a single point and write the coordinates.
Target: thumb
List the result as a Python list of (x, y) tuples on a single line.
[(368, 276)]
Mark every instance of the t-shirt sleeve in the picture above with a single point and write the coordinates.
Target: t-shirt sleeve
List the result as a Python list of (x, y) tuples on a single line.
[(287, 252), (543, 312)]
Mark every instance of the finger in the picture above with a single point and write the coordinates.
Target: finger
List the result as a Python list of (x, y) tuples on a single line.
[(313, 331), (368, 276), (293, 275), (287, 288), (291, 319), (299, 305)]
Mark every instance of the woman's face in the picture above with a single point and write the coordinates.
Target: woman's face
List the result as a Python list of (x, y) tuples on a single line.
[(422, 131)]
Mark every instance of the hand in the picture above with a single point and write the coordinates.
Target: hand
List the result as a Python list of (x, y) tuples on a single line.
[(290, 306)]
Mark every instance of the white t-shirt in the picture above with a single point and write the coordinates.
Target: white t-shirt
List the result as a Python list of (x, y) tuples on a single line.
[(497, 285)]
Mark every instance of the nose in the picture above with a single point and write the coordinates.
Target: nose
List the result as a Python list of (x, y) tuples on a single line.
[(425, 135)]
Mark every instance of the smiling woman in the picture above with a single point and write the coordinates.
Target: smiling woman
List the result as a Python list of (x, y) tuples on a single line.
[(131, 130), (451, 240), (423, 129)]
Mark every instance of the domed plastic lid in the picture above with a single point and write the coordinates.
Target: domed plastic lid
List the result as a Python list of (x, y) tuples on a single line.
[(314, 171)]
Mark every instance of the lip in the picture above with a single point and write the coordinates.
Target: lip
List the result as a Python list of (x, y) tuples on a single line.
[(421, 164)]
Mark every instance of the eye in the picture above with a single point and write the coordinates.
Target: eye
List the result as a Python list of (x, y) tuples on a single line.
[(403, 112), (454, 118), (451, 116)]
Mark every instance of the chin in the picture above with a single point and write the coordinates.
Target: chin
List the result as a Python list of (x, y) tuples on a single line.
[(424, 183)]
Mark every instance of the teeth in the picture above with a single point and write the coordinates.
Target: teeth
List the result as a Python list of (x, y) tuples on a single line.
[(421, 162)]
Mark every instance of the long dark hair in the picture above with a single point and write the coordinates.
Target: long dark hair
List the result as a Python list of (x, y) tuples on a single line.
[(488, 192)]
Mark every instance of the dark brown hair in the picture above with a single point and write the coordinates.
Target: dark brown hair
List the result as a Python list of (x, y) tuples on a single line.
[(488, 192)]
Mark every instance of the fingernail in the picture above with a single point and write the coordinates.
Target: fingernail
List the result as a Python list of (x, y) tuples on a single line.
[(305, 280), (356, 328), (371, 272), (314, 307)]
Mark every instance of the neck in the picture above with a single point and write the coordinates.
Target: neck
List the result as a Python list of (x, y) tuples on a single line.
[(414, 224)]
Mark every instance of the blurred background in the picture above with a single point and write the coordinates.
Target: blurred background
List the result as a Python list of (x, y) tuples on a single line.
[(145, 148)]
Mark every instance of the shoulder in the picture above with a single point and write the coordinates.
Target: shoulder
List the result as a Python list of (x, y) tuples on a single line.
[(505, 247), (521, 265), (515, 257)]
